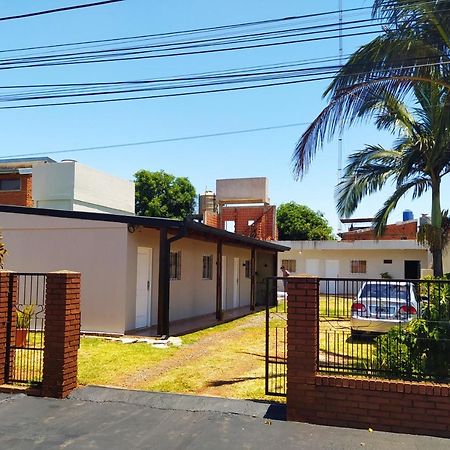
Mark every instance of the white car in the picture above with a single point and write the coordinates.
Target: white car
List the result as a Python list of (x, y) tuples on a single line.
[(380, 305)]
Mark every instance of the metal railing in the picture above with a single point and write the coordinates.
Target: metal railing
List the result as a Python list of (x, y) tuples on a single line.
[(25, 328), (276, 337), (385, 328)]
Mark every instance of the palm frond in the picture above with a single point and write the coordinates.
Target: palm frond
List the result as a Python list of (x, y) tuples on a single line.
[(381, 217)]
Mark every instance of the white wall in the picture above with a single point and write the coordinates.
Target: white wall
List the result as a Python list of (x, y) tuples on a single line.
[(74, 186), (96, 249), (191, 295), (316, 254)]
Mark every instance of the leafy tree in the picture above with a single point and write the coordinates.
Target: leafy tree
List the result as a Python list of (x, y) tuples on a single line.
[(159, 194), (298, 222), (413, 50), (417, 162)]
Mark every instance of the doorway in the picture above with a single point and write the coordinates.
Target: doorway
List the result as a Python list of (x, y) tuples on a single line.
[(143, 287), (412, 270), (224, 283), (236, 282)]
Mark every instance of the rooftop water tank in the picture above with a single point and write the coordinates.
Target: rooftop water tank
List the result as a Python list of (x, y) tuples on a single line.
[(407, 215), (207, 202)]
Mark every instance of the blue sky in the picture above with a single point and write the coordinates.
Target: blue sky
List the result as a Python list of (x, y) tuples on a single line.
[(203, 161)]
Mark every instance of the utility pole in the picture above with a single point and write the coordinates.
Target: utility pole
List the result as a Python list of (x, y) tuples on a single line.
[(340, 137)]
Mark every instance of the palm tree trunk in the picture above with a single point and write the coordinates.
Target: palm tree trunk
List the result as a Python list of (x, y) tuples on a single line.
[(436, 225)]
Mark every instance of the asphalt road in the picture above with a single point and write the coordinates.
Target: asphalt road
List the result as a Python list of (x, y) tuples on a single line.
[(102, 418)]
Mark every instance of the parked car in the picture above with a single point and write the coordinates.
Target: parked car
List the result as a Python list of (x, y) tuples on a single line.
[(380, 305)]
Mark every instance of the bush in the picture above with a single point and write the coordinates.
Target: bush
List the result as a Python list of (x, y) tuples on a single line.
[(421, 349), (24, 317)]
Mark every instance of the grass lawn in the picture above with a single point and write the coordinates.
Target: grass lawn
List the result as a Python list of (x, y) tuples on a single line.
[(226, 360)]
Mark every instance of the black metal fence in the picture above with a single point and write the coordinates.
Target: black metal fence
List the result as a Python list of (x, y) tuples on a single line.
[(276, 337), (25, 332), (385, 328)]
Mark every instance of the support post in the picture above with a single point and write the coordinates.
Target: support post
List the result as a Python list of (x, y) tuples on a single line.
[(8, 296), (219, 310), (253, 280), (303, 329), (164, 283), (62, 334)]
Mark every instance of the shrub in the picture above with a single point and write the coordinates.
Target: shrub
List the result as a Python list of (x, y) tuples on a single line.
[(24, 316), (421, 349)]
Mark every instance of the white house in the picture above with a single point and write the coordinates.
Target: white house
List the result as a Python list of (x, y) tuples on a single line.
[(140, 271), (355, 259), (73, 186)]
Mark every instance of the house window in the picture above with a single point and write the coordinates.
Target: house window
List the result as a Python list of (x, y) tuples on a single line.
[(289, 264), (248, 268), (387, 261), (12, 184), (358, 266), (207, 267), (175, 265)]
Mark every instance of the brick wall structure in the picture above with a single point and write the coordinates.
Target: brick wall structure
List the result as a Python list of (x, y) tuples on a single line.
[(263, 216), (211, 219), (404, 230), (62, 333), (22, 197), (388, 405)]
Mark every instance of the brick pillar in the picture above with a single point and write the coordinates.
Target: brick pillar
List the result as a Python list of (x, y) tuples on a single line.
[(62, 333), (8, 292), (303, 327)]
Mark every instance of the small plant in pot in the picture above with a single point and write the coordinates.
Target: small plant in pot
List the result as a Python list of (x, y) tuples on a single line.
[(23, 321)]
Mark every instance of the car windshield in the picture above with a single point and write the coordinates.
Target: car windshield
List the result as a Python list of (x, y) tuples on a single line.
[(391, 291)]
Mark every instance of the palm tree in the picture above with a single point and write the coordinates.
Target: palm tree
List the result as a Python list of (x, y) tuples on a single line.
[(417, 162), (415, 47)]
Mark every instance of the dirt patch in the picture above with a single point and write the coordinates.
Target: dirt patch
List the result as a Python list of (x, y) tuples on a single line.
[(211, 347)]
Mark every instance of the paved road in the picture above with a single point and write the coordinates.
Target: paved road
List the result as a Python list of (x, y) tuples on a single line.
[(101, 418)]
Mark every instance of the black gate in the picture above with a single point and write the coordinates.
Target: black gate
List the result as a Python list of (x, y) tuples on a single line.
[(25, 328), (276, 337)]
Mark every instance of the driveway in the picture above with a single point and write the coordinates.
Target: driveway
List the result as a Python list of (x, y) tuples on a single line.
[(102, 418)]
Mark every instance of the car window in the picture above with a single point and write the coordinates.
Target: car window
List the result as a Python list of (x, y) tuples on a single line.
[(391, 291)]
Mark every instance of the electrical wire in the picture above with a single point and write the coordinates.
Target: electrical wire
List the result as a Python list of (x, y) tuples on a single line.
[(311, 75), (160, 141), (57, 10)]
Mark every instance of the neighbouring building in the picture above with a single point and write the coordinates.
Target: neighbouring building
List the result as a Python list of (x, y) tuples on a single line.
[(242, 206), (360, 255), (16, 180), (139, 272), (68, 185)]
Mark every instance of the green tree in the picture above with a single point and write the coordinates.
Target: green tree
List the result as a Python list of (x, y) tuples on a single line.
[(414, 49), (417, 162), (159, 194), (298, 222)]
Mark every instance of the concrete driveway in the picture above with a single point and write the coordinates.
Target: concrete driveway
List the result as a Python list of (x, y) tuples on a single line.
[(102, 418)]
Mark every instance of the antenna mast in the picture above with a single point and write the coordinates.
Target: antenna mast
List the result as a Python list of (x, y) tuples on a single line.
[(341, 61)]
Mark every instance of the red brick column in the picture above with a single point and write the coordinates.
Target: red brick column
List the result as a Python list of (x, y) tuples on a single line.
[(303, 327), (8, 284), (62, 333)]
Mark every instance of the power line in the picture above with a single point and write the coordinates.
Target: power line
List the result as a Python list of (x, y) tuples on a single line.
[(188, 31), (160, 141), (308, 77), (205, 29), (57, 10), (187, 53)]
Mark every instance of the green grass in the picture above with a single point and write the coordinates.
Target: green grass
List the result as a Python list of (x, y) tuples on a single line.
[(225, 360), (101, 361)]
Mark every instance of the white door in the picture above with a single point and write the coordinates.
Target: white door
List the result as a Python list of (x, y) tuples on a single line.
[(332, 271), (312, 267), (143, 287), (224, 283), (236, 282)]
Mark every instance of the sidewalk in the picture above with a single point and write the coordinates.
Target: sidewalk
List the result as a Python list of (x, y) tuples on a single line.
[(103, 418)]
